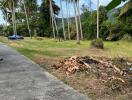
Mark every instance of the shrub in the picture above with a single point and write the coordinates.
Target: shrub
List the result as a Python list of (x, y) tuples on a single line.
[(97, 43)]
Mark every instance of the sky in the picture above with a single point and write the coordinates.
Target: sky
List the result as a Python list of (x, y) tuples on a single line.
[(81, 2)]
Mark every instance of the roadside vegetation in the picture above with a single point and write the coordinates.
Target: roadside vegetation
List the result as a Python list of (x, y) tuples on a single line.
[(91, 51), (48, 53), (47, 47)]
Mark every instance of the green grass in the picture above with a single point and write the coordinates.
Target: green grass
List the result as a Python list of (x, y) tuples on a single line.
[(50, 48)]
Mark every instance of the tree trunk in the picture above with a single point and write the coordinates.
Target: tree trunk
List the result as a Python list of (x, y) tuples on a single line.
[(56, 27), (76, 21), (52, 20), (14, 17), (63, 25), (27, 19), (68, 15), (13, 20), (53, 17), (6, 19), (80, 23), (97, 18)]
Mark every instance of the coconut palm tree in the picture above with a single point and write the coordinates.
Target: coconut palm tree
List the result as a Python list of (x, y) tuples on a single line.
[(25, 10), (114, 3), (48, 11), (80, 23), (63, 24), (76, 21), (54, 24), (30, 7), (52, 19), (14, 16), (124, 9), (10, 5), (5, 13), (97, 18), (68, 15)]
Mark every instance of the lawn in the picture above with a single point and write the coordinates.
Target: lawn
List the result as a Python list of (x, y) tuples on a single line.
[(46, 47), (46, 52)]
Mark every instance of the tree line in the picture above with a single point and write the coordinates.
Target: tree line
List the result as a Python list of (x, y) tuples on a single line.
[(27, 18)]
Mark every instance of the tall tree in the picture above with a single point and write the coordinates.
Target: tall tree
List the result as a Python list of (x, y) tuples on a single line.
[(97, 18), (62, 18), (68, 16), (14, 16), (27, 20), (10, 6), (76, 21), (29, 8), (53, 16), (80, 23), (48, 10)]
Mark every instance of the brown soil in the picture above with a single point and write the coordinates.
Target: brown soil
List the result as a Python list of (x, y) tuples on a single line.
[(99, 84)]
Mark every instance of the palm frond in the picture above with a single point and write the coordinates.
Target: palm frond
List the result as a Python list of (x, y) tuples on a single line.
[(113, 4), (126, 8)]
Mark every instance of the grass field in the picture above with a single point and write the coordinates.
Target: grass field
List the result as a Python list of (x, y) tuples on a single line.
[(47, 52), (50, 48)]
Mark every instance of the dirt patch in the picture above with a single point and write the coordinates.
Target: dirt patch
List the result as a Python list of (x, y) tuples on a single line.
[(101, 79)]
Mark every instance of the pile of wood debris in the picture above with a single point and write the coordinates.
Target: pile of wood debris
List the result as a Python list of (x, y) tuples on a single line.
[(104, 69)]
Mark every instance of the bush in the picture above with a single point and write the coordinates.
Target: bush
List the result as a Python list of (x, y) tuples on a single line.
[(97, 43)]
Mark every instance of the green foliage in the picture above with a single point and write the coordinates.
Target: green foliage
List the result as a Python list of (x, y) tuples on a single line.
[(113, 4), (126, 8), (97, 43), (44, 23), (89, 22), (40, 20), (114, 30)]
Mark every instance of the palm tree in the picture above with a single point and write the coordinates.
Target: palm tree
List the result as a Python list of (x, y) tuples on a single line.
[(63, 24), (5, 13), (114, 3), (27, 19), (126, 8), (97, 18), (80, 23), (14, 17), (10, 5), (68, 15), (54, 24), (52, 18), (29, 8), (76, 21)]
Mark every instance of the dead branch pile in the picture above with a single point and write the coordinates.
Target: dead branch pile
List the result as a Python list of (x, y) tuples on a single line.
[(71, 65), (103, 69), (74, 64)]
